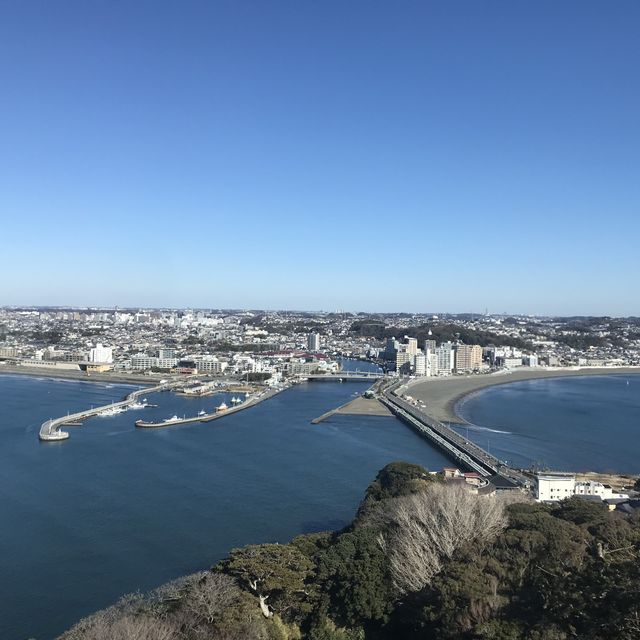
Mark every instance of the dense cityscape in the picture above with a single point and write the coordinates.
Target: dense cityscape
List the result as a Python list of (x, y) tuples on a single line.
[(282, 343)]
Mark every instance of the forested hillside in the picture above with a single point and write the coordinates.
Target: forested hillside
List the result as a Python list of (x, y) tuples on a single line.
[(422, 559)]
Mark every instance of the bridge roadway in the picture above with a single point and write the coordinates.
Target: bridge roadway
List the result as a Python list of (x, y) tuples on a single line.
[(50, 431), (347, 376), (458, 448)]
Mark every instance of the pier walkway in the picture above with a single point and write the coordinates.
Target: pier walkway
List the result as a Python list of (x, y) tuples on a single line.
[(50, 431)]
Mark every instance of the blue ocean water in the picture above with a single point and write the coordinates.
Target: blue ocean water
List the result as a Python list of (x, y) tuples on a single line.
[(574, 423), (116, 509)]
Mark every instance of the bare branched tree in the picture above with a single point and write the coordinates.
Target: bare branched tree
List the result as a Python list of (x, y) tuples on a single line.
[(131, 628), (426, 528), (211, 595), (177, 589)]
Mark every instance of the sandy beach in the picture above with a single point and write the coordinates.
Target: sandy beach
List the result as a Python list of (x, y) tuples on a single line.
[(70, 374), (441, 395)]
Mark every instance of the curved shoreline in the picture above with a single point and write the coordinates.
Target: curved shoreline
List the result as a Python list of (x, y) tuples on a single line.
[(442, 395)]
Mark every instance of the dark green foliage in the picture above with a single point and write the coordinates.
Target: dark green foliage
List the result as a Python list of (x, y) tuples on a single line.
[(581, 511), (353, 573), (257, 376), (570, 571), (393, 480), (325, 629), (276, 571), (397, 479), (440, 333)]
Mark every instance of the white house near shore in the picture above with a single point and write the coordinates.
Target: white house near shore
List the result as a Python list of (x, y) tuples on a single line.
[(551, 487)]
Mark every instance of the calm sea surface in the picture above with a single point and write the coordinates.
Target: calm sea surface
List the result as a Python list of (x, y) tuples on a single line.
[(576, 423), (115, 509)]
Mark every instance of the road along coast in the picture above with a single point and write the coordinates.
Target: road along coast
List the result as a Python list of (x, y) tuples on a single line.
[(441, 395)]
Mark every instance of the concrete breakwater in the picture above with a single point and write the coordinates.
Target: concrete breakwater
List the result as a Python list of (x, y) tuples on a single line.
[(51, 431), (208, 417)]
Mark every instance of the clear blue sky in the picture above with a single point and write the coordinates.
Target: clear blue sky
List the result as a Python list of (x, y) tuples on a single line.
[(418, 156)]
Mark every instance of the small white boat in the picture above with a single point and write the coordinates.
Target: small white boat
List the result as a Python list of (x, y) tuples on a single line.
[(111, 411), (202, 412), (172, 419), (222, 407)]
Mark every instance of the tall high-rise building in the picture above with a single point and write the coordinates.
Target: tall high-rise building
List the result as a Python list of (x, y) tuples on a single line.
[(420, 364), (445, 356), (431, 363), (391, 349), (468, 357), (429, 345), (103, 355), (412, 345), (313, 342), (404, 361)]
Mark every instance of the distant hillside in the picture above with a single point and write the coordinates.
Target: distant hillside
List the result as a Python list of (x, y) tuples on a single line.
[(440, 333)]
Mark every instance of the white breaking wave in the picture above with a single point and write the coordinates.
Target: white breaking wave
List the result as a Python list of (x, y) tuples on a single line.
[(475, 427)]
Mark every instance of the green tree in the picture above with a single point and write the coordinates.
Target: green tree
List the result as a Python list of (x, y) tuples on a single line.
[(353, 573), (274, 572)]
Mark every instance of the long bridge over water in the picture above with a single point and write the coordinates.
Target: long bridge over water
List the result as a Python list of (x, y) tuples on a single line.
[(466, 453), (344, 376)]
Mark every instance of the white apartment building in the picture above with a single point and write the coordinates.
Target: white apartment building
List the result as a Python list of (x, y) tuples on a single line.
[(167, 363), (211, 365), (100, 354), (591, 488), (555, 486), (420, 364), (432, 362), (511, 362), (558, 486), (445, 358), (143, 361)]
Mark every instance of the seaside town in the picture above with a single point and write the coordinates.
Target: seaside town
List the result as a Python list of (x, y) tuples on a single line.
[(273, 349), (276, 344)]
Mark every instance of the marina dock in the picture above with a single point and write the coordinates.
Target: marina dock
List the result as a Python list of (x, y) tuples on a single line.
[(208, 417), (51, 431)]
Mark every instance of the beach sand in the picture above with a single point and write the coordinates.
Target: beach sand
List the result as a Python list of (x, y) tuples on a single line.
[(440, 395)]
